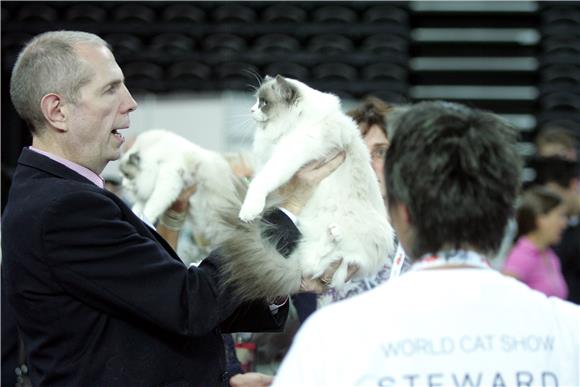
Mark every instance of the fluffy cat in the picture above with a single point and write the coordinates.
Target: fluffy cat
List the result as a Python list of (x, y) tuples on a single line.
[(346, 217), (161, 163)]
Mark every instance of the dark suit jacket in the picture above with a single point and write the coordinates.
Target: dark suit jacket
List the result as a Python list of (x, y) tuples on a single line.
[(101, 299)]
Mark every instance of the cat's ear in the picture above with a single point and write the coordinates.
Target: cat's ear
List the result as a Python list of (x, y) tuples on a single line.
[(268, 78), (287, 90)]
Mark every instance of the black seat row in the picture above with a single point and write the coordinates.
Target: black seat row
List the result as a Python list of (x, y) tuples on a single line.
[(192, 70), (144, 12)]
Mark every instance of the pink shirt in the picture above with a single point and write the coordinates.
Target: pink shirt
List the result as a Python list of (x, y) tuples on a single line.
[(85, 172), (539, 269)]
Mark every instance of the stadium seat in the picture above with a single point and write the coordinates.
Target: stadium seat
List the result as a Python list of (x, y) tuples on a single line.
[(183, 13), (284, 13)]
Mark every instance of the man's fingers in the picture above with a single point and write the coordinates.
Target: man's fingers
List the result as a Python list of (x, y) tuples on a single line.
[(319, 169), (327, 167), (189, 191), (332, 268), (351, 271)]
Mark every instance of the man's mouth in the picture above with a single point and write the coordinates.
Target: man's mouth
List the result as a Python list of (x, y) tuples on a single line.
[(117, 134)]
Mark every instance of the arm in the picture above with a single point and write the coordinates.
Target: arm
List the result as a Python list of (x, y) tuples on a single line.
[(171, 221), (100, 257), (255, 316)]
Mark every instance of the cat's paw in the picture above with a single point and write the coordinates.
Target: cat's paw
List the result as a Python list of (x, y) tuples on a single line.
[(334, 233), (251, 209)]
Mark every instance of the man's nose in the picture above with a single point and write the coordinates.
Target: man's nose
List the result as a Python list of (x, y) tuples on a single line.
[(130, 102)]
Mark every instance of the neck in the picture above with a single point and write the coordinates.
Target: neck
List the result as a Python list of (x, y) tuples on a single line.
[(537, 240), (46, 144), (454, 259)]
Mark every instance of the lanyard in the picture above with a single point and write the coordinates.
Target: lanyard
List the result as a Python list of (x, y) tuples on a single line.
[(398, 262), (452, 258)]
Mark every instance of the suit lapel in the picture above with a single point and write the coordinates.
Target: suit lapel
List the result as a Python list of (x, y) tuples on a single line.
[(40, 162), (142, 227)]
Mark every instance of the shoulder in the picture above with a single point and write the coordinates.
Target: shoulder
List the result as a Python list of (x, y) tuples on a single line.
[(79, 202), (522, 253), (568, 315)]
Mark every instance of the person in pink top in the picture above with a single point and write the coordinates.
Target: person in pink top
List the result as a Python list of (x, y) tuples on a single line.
[(541, 218)]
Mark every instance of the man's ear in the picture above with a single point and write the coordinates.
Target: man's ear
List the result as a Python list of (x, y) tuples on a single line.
[(404, 213), (54, 111)]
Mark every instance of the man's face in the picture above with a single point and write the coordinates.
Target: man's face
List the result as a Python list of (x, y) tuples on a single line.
[(377, 144), (102, 110)]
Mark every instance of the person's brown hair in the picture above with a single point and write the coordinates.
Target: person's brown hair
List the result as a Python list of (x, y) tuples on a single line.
[(372, 111), (534, 202)]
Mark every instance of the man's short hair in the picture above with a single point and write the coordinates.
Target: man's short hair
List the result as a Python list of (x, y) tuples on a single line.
[(457, 171), (49, 64)]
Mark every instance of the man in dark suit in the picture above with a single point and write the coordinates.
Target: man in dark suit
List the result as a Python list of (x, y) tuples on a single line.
[(100, 298)]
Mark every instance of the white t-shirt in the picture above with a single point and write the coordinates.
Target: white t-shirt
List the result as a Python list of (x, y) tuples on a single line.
[(443, 327)]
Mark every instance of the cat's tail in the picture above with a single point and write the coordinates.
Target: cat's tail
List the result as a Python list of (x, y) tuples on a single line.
[(251, 266)]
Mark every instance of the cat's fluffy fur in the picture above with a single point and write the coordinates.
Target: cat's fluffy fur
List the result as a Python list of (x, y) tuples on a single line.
[(160, 164), (345, 218)]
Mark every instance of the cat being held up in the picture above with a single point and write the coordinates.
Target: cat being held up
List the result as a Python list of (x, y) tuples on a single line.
[(160, 164), (346, 216)]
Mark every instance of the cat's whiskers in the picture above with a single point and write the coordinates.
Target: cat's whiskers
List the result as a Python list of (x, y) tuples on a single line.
[(256, 76), (243, 123)]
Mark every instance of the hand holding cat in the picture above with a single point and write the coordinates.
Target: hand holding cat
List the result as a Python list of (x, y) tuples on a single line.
[(181, 204), (296, 192), (172, 219), (321, 284), (301, 187), (251, 379)]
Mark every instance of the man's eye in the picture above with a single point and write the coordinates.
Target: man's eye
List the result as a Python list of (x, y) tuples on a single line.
[(111, 89)]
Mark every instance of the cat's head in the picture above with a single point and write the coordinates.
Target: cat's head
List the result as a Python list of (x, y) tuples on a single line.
[(275, 98), (130, 164)]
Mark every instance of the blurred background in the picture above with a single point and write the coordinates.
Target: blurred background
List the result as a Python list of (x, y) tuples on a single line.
[(191, 65)]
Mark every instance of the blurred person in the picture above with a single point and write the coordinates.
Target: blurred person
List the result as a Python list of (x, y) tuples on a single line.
[(99, 296), (370, 117), (561, 176), (554, 141), (541, 218), (451, 319)]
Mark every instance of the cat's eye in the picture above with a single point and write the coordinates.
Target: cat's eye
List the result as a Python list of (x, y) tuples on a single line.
[(262, 102)]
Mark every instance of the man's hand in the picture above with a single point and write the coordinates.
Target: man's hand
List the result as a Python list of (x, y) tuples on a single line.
[(251, 379), (181, 204), (322, 283), (301, 187), (171, 221)]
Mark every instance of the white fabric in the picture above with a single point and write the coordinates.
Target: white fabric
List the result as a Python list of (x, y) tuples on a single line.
[(441, 327)]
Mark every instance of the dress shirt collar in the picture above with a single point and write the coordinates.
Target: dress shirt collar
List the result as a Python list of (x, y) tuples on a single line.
[(85, 172)]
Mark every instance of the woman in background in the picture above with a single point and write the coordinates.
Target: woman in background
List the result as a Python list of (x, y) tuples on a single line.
[(541, 218), (373, 118)]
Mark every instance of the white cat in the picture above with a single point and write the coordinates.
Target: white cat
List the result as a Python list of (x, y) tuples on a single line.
[(160, 164), (346, 217)]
